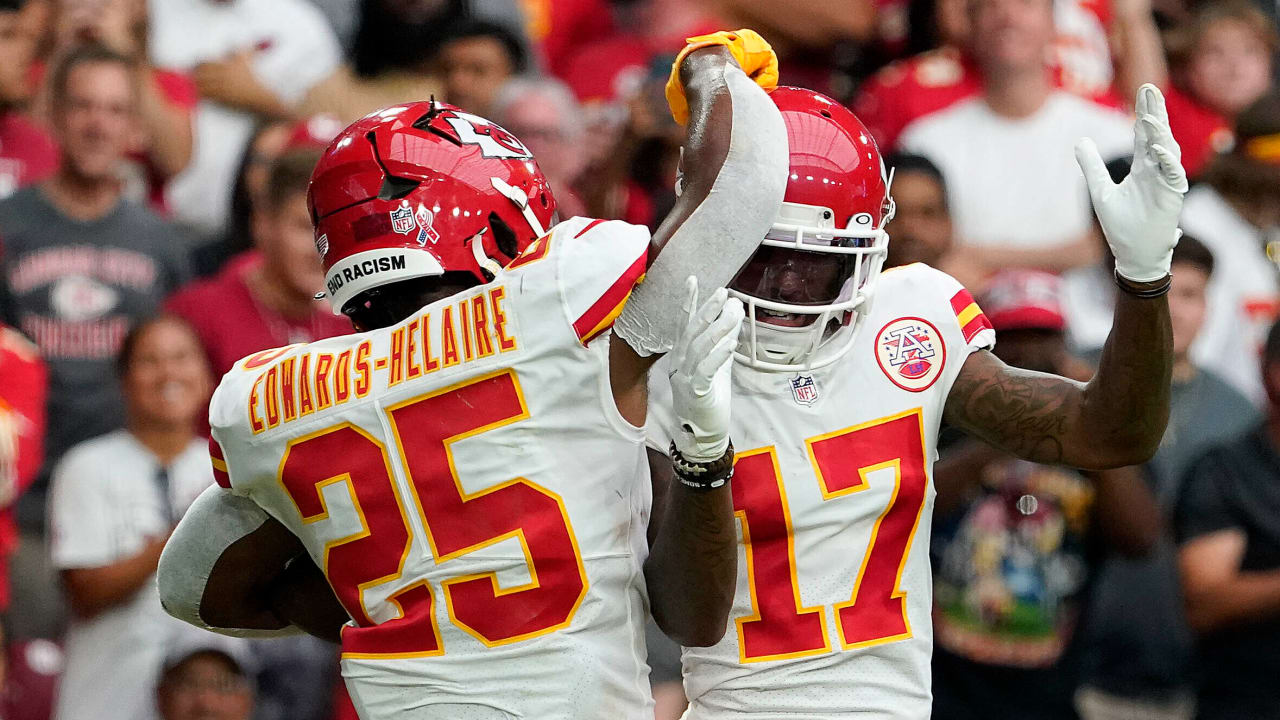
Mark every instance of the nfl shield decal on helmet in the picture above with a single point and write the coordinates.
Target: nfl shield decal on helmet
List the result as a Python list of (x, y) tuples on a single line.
[(911, 353), (402, 219), (804, 390)]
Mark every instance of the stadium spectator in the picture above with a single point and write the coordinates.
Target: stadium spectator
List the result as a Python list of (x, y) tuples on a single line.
[(27, 153), (251, 59), (270, 301), (1087, 35), (205, 683), (80, 262), (543, 113), (611, 69), (1019, 200), (633, 179), (161, 144), (404, 34), (475, 58), (1138, 646), (941, 74), (22, 399), (343, 17), (113, 502), (921, 229), (1223, 61), (1015, 544), (810, 37), (556, 27), (1234, 211), (269, 142), (1229, 558)]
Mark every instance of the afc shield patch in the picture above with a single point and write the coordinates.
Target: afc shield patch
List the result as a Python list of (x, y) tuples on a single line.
[(402, 220), (804, 390), (911, 353)]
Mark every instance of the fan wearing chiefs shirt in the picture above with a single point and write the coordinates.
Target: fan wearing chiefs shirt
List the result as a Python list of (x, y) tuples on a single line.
[(845, 374), (459, 491)]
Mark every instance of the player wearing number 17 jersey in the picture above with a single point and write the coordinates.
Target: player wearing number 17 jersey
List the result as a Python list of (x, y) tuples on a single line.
[(837, 403), (467, 475)]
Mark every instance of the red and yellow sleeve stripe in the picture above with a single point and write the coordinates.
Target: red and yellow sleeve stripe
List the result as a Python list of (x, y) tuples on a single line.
[(970, 317), (220, 474), (600, 316)]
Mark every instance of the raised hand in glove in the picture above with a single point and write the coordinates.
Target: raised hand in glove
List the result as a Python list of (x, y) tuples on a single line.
[(753, 53), (1140, 215), (702, 362)]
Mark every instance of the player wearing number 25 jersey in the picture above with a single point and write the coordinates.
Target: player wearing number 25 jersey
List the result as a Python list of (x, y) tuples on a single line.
[(446, 474), (837, 403)]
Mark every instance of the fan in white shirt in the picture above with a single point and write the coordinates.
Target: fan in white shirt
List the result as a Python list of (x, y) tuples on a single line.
[(114, 500), (1017, 197), (1236, 212), (249, 58)]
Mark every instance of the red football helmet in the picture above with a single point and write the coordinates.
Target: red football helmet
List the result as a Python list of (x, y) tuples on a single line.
[(419, 190), (810, 283)]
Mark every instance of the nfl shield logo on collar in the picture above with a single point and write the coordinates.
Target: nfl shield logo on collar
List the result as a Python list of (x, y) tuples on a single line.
[(804, 389), (402, 219)]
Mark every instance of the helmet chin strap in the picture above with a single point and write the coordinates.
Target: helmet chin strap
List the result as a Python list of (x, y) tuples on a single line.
[(780, 344), (489, 265), (518, 196)]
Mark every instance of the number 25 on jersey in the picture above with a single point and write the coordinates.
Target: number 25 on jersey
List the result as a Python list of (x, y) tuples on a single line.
[(779, 626), (456, 523)]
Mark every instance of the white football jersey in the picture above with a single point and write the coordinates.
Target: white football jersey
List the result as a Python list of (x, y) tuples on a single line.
[(831, 616), (469, 488)]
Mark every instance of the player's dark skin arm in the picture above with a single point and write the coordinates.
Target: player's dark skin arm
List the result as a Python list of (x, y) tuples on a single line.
[(1115, 419), (693, 550), (266, 581)]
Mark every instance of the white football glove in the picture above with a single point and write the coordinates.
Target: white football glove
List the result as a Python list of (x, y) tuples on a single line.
[(702, 363), (1140, 215)]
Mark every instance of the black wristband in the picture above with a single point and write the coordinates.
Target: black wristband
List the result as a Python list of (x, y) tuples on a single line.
[(702, 477), (1127, 285)]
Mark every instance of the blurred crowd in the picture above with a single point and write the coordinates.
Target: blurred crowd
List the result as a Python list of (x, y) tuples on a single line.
[(154, 160)]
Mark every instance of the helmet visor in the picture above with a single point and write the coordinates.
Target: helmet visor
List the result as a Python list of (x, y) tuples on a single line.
[(794, 277)]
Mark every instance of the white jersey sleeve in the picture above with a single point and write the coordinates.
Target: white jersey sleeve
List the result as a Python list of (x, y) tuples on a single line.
[(232, 417), (600, 261)]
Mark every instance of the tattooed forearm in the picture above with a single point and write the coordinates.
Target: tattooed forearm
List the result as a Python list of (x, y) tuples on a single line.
[(1018, 410), (1116, 419), (692, 570)]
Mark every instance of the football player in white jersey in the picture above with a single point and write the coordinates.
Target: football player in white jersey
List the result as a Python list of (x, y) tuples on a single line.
[(837, 401), (462, 486)]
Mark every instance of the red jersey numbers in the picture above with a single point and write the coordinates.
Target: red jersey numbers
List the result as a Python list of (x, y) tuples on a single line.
[(456, 523), (779, 626)]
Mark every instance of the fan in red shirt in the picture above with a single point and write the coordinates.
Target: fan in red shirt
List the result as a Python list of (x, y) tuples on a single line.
[(1223, 61), (22, 396), (265, 299), (27, 153)]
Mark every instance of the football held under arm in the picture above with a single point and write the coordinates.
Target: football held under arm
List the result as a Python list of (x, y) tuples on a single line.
[(734, 172), (224, 566)]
